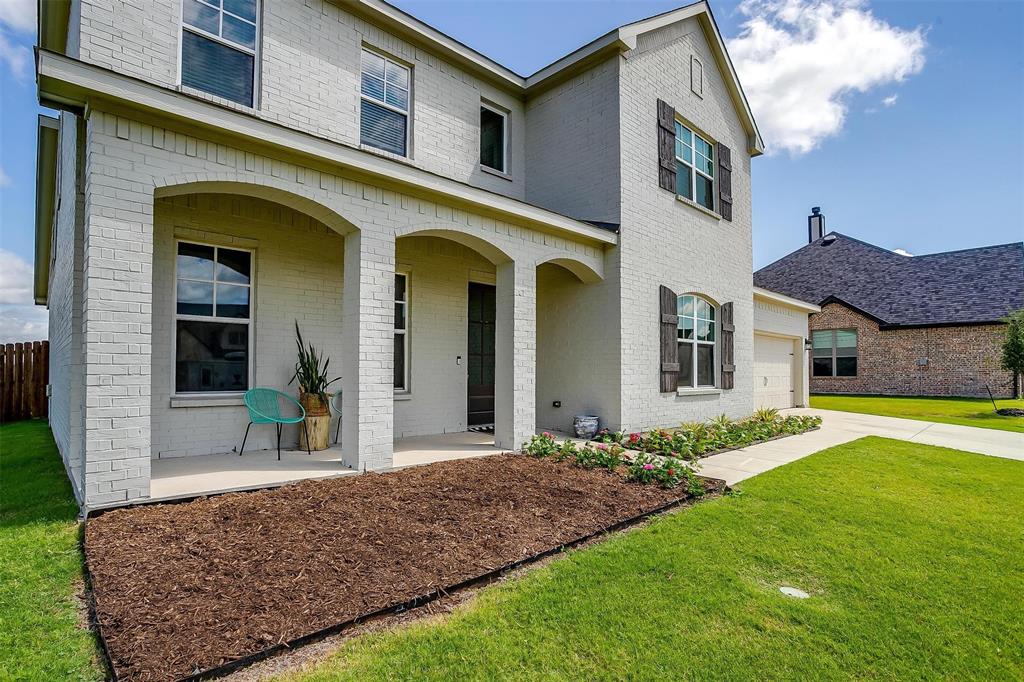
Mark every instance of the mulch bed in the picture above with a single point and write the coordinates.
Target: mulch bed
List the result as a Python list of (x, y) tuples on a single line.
[(183, 588)]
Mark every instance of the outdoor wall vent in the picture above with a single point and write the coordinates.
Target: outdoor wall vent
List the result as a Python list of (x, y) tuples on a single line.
[(828, 240)]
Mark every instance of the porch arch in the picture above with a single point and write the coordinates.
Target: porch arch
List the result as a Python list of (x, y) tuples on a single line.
[(585, 272), (492, 252)]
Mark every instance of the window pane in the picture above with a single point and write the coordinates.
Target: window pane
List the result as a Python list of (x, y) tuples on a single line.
[(706, 166), (195, 261), (702, 146), (684, 181), (373, 87), (195, 298), (400, 361), (704, 196), (239, 32), (705, 365), (822, 367), (201, 16), (684, 134), (822, 339), (492, 139), (212, 356), (397, 97), (685, 328), (704, 310), (685, 365), (382, 128), (399, 287), (822, 352), (397, 75), (705, 330), (232, 301), (373, 64), (846, 367), (233, 266), (216, 69), (243, 8), (399, 316), (846, 338), (685, 305)]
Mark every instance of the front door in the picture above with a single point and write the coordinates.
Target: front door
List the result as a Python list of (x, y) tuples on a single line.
[(480, 357)]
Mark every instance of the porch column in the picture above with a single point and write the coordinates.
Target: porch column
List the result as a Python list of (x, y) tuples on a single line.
[(117, 296), (367, 367), (515, 350)]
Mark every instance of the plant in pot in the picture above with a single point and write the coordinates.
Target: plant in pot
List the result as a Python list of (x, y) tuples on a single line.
[(311, 377)]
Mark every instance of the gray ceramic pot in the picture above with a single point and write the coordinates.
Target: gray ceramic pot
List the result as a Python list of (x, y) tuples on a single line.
[(585, 426)]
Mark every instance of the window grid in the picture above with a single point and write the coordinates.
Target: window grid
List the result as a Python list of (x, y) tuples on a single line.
[(402, 331), (386, 84), (695, 167), (696, 329), (219, 35), (826, 348)]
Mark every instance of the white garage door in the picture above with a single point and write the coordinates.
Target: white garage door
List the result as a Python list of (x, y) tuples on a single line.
[(773, 372)]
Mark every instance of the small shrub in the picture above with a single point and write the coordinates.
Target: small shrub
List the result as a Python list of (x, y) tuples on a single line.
[(765, 414), (610, 437), (567, 451), (668, 472), (541, 446)]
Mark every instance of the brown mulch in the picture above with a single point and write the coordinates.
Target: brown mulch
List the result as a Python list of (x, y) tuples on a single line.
[(181, 588)]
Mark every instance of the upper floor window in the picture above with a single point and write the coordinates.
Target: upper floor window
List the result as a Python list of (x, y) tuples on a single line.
[(218, 47), (696, 339), (695, 167), (384, 105), (834, 352), (493, 141)]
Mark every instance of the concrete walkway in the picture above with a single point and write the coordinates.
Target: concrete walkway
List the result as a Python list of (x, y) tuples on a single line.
[(842, 427)]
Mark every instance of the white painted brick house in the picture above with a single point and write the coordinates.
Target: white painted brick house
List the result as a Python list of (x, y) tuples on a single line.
[(575, 241)]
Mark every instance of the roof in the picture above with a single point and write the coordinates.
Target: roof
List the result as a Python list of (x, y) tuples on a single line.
[(53, 19), (972, 286)]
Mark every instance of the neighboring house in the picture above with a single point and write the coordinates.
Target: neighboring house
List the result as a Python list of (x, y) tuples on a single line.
[(467, 245), (895, 324)]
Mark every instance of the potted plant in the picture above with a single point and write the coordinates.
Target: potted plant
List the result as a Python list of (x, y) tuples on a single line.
[(311, 377)]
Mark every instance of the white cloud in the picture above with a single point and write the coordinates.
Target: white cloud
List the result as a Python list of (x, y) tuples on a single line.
[(5, 179), (903, 252), (19, 15), (799, 61), (17, 57), (20, 319), (890, 100)]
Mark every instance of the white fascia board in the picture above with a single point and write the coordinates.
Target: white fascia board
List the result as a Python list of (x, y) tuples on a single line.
[(782, 299), (72, 83)]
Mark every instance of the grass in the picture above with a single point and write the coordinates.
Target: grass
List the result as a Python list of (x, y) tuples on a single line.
[(911, 554), (962, 411), (40, 563)]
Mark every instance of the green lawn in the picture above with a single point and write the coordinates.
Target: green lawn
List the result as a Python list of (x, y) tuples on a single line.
[(912, 555), (963, 411), (40, 563)]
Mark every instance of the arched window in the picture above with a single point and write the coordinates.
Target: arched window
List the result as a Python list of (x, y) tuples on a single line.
[(696, 337)]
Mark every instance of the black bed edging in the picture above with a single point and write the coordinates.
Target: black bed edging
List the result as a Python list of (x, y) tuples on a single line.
[(415, 602)]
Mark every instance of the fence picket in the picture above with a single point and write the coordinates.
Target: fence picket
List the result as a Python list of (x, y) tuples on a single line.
[(24, 373)]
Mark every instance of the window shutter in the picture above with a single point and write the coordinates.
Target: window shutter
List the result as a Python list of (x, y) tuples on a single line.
[(666, 147), (728, 353), (724, 182), (669, 341)]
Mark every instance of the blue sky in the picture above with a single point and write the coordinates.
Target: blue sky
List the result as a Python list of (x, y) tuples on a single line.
[(904, 121)]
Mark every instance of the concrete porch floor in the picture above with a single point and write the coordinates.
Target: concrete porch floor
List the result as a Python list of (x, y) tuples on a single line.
[(189, 476)]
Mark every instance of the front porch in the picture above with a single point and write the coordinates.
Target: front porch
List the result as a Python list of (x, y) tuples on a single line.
[(183, 477)]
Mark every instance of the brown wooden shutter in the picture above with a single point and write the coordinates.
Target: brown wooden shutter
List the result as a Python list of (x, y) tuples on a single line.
[(724, 182), (669, 341), (728, 352), (666, 146)]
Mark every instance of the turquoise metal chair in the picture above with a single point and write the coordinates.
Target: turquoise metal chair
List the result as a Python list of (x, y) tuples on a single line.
[(336, 406), (264, 405)]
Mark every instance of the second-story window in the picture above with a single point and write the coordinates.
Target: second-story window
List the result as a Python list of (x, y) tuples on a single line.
[(695, 167), (493, 133), (384, 105), (218, 47)]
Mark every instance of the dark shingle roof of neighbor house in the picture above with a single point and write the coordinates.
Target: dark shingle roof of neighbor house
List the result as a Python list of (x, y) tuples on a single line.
[(955, 287)]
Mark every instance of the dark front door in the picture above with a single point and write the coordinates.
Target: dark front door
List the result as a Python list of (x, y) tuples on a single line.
[(480, 358)]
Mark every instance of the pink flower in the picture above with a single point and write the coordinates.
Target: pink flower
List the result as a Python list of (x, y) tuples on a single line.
[(648, 467), (602, 446), (546, 434)]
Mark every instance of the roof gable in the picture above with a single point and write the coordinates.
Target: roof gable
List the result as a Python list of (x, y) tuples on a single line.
[(971, 286)]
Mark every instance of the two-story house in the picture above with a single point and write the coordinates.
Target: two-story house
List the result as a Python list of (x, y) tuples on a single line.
[(468, 245)]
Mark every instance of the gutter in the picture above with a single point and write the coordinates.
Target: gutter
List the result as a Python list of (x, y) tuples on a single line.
[(70, 84), (46, 201)]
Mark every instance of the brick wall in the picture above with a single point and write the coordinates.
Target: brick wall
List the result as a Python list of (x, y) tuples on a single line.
[(961, 360)]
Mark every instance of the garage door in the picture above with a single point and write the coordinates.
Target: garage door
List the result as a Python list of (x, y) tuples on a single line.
[(773, 372)]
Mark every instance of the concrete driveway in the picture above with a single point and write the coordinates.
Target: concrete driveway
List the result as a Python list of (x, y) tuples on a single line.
[(843, 427)]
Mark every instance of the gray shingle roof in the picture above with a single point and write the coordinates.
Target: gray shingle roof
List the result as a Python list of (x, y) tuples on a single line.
[(955, 287)]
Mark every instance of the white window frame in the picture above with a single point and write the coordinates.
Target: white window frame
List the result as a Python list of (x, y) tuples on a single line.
[(504, 137), (405, 332), (407, 112), (715, 361), (692, 165), (835, 353), (253, 52), (250, 321)]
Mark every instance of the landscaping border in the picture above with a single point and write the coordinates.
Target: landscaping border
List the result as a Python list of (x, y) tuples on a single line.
[(399, 607)]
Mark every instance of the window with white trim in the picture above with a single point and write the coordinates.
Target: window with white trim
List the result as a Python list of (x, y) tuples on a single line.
[(213, 319), (493, 137), (695, 167), (696, 338), (384, 104), (834, 353), (401, 332), (218, 47)]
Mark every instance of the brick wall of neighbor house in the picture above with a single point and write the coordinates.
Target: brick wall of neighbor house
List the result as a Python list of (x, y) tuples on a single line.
[(306, 46), (961, 360), (665, 241)]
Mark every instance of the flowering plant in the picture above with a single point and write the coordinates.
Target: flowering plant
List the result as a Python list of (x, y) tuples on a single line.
[(669, 472), (541, 445)]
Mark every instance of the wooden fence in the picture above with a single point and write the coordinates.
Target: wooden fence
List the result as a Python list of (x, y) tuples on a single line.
[(25, 371)]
